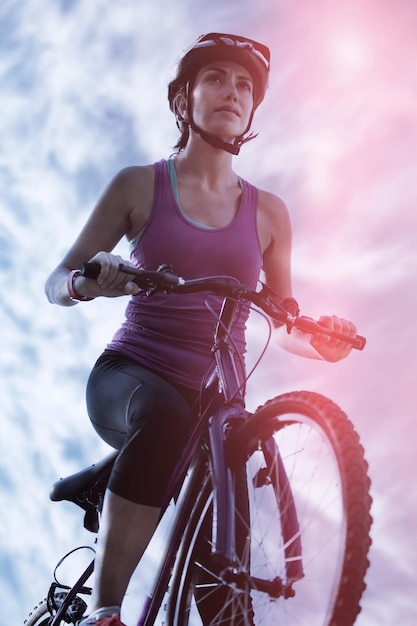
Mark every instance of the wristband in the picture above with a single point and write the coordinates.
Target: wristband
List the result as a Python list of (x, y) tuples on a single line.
[(72, 292)]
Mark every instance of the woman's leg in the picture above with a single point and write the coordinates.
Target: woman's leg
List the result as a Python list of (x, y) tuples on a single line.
[(125, 531), (149, 421)]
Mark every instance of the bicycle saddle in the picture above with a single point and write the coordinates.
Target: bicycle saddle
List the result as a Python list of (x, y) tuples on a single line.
[(86, 489)]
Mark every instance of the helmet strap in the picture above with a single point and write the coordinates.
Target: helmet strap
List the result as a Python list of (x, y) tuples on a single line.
[(216, 142)]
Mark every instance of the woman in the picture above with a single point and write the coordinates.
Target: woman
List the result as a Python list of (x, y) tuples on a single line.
[(195, 213)]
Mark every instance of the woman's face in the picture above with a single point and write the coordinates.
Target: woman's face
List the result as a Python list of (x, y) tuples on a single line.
[(222, 99)]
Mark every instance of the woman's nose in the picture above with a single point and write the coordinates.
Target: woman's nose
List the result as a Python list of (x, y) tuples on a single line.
[(231, 91)]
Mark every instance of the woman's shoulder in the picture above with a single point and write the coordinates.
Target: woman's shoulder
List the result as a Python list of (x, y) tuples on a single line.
[(273, 219), (134, 176), (131, 192), (271, 200), (268, 202), (272, 206)]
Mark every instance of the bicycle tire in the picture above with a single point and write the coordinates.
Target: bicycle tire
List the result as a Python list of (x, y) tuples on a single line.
[(40, 615), (327, 473)]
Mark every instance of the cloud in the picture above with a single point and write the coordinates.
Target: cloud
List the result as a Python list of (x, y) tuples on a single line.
[(83, 95)]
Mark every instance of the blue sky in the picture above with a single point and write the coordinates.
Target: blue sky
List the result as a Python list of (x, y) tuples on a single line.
[(83, 94)]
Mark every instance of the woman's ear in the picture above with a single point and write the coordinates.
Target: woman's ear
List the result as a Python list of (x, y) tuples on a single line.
[(181, 106)]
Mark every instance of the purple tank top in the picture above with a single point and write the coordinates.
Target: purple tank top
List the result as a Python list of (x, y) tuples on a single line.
[(172, 333)]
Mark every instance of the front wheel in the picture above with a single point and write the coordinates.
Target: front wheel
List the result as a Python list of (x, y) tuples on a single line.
[(40, 615), (303, 556)]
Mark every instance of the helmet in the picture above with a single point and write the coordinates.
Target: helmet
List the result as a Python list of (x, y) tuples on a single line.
[(253, 56)]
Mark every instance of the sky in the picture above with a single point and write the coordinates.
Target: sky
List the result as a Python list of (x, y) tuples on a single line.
[(83, 94)]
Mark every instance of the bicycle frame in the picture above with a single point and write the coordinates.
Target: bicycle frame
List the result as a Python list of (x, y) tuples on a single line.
[(223, 532), (232, 410)]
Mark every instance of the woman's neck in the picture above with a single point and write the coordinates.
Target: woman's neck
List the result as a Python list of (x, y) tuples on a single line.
[(212, 166)]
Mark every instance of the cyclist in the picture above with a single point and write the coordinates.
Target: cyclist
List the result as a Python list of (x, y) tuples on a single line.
[(194, 212)]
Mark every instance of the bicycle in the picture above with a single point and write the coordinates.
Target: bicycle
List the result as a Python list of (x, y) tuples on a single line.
[(272, 508)]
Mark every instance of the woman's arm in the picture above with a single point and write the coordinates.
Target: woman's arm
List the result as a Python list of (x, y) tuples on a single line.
[(275, 231), (122, 210)]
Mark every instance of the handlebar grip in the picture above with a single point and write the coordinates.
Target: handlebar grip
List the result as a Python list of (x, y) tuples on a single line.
[(308, 325), (90, 270), (359, 342)]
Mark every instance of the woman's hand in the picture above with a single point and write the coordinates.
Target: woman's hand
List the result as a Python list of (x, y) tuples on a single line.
[(110, 283), (330, 348)]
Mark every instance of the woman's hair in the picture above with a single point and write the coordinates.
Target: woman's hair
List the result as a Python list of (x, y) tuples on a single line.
[(184, 135)]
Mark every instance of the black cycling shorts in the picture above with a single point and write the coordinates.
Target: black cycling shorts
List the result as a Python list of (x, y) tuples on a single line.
[(145, 417)]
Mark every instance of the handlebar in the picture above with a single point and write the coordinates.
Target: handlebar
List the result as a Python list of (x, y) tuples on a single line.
[(165, 279)]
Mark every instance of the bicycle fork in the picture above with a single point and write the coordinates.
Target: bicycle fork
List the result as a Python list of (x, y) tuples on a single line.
[(231, 494), (224, 528)]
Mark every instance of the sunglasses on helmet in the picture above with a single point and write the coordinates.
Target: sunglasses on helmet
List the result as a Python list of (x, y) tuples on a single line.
[(260, 51)]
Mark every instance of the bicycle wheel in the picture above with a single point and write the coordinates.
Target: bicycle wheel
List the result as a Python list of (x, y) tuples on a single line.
[(305, 558), (40, 615)]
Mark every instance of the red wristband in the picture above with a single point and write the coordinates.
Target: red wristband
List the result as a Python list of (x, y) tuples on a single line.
[(73, 294)]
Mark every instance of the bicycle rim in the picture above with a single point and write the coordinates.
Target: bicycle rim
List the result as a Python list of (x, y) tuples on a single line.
[(40, 616), (44, 613), (321, 466)]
